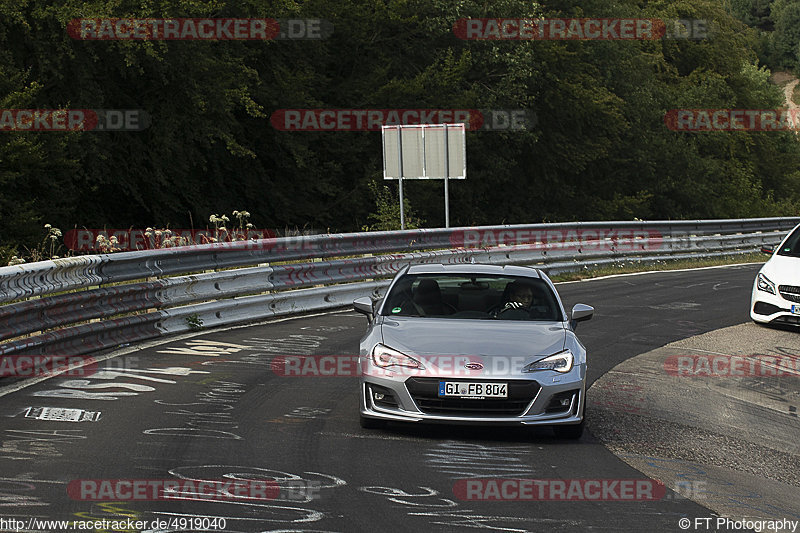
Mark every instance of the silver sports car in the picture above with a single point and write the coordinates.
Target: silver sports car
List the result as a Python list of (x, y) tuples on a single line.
[(473, 344)]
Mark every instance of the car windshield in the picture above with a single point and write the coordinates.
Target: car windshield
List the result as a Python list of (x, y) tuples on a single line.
[(472, 297), (792, 245)]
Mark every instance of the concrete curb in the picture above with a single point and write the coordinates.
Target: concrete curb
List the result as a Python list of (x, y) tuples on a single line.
[(729, 442)]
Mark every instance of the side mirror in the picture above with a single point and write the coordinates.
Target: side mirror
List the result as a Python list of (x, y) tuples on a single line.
[(581, 313), (767, 249), (363, 305)]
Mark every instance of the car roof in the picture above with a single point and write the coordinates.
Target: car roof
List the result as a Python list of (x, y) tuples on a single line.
[(471, 268)]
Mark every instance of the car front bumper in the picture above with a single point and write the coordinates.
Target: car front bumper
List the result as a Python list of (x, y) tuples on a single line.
[(399, 404), (769, 308)]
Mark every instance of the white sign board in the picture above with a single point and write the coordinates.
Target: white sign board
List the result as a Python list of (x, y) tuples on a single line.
[(424, 151)]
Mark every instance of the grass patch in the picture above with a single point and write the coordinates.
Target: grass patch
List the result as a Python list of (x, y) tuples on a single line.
[(796, 94), (679, 264)]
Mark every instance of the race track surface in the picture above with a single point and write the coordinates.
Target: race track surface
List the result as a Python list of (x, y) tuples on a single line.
[(210, 407)]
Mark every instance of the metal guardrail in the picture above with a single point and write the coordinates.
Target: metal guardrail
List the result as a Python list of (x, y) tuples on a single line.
[(81, 304)]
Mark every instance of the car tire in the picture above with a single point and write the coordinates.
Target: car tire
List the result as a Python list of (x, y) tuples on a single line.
[(371, 423), (572, 432)]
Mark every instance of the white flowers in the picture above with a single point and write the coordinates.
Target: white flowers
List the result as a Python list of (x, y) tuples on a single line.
[(107, 245), (219, 221), (53, 235), (171, 241), (118, 240), (238, 234)]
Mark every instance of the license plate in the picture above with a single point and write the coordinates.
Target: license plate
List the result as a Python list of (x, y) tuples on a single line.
[(455, 389), (796, 309)]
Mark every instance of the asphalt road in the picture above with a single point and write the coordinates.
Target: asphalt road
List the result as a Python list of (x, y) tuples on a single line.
[(210, 407)]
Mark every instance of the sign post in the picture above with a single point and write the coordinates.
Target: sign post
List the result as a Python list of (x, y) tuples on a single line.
[(424, 151), (400, 177), (446, 180)]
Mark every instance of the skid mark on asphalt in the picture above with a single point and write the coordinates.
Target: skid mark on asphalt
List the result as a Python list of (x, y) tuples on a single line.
[(427, 502), (36, 444), (369, 436), (208, 416), (464, 460), (15, 493)]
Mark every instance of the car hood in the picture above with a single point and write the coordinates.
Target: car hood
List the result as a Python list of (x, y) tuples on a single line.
[(783, 270), (426, 336)]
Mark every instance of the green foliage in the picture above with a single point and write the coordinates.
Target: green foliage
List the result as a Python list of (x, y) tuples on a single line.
[(754, 13), (387, 210), (785, 15), (9, 256), (600, 149), (778, 22), (194, 322)]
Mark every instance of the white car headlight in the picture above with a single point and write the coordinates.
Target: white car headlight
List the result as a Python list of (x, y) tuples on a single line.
[(385, 357), (764, 284), (560, 362)]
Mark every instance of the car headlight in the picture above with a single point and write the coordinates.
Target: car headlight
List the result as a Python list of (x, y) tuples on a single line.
[(560, 362), (764, 284), (385, 357)]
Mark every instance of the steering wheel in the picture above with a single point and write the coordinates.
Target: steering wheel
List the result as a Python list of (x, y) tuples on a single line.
[(501, 309)]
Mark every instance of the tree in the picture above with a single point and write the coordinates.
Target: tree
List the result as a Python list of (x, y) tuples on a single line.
[(786, 38)]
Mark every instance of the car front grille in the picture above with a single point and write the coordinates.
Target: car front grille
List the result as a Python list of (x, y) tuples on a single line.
[(790, 292), (793, 320), (425, 393)]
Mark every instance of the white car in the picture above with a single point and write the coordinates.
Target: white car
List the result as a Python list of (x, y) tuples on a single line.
[(776, 290)]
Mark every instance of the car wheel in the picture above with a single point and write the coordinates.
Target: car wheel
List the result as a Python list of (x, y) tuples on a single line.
[(371, 423)]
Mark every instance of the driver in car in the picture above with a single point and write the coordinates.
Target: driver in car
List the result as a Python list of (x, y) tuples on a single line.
[(517, 295)]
